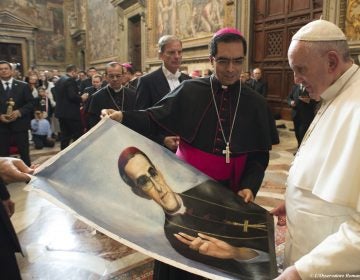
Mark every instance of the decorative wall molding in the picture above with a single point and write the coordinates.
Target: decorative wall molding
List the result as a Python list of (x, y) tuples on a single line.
[(10, 21)]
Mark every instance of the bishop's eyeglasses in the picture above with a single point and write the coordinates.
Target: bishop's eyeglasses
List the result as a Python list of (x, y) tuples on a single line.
[(223, 61), (113, 76)]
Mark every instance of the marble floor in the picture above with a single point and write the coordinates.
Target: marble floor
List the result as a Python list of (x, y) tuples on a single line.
[(58, 246)]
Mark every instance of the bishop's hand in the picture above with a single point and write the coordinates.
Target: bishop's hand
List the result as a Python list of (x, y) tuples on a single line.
[(112, 114), (246, 194), (171, 142)]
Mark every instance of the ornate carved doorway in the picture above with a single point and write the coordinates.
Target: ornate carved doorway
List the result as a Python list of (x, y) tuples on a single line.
[(275, 22)]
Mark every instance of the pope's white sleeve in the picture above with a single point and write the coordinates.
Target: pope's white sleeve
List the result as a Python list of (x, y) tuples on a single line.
[(338, 254)]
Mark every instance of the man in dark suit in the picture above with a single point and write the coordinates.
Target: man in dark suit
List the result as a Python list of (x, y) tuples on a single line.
[(257, 83), (67, 109), (96, 80), (87, 82), (303, 110), (11, 170), (237, 233), (16, 108), (154, 86)]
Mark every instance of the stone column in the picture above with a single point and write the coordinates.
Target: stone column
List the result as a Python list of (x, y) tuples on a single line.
[(31, 54)]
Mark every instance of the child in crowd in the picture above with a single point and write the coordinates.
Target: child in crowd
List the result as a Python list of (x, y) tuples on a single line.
[(41, 131)]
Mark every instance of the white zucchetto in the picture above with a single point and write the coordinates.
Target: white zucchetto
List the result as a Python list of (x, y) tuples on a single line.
[(319, 30)]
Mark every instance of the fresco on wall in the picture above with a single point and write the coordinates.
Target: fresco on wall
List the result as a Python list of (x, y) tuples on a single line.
[(48, 16), (352, 24), (50, 39), (188, 18), (102, 30), (50, 46)]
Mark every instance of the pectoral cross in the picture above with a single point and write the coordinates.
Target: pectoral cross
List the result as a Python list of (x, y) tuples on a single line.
[(227, 153)]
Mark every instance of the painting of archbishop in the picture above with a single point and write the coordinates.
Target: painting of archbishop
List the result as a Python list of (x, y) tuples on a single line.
[(206, 223)]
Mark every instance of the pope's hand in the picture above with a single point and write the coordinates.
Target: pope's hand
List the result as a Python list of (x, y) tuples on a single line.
[(280, 210), (112, 114), (289, 274)]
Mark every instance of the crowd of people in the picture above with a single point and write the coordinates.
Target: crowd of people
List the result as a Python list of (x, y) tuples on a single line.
[(222, 125), (44, 106)]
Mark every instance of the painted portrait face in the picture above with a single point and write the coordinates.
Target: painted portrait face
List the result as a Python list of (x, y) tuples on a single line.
[(310, 68), (228, 62), (172, 55), (150, 181)]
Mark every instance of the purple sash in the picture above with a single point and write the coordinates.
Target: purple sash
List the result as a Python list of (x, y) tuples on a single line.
[(213, 165)]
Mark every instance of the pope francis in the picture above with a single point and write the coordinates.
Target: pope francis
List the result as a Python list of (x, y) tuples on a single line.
[(323, 188)]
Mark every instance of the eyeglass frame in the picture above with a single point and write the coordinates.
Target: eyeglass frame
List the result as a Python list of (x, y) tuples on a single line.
[(224, 61), (152, 173), (117, 76)]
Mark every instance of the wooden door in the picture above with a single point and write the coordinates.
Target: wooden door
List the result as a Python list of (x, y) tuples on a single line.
[(13, 54), (134, 41), (274, 24)]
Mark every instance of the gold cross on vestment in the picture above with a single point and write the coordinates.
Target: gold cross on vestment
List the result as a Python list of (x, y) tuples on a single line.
[(227, 153)]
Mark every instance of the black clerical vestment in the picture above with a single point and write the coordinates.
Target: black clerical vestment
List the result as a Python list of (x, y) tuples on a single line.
[(215, 211), (107, 98), (188, 111)]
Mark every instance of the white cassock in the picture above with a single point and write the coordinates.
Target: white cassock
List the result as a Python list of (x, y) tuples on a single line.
[(323, 187)]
